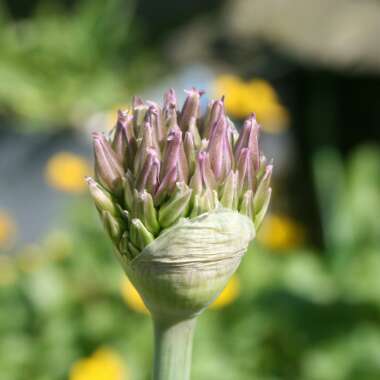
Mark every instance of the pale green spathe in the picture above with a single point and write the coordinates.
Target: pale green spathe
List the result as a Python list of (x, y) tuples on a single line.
[(185, 268)]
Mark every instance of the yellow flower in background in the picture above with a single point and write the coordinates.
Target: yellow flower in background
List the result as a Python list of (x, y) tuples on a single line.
[(8, 273), (7, 229), (104, 364), (256, 96), (228, 295), (280, 232), (132, 297), (65, 171)]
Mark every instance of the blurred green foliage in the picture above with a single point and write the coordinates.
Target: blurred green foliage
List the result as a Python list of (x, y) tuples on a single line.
[(300, 315), (61, 65)]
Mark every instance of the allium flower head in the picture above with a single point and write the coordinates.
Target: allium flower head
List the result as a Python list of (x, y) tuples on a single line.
[(165, 174)]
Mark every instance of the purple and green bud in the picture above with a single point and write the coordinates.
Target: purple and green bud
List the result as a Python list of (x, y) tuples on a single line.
[(108, 169), (190, 108), (102, 198), (162, 165)]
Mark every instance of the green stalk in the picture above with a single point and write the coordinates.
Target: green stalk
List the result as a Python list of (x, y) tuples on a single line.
[(172, 349)]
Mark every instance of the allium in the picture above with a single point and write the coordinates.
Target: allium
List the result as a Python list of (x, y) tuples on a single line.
[(181, 195)]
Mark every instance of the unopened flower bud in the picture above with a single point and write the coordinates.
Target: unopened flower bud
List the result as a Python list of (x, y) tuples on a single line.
[(170, 99), (176, 207), (120, 140), (113, 226), (259, 217), (128, 187), (146, 212), (107, 167), (215, 112), (143, 149), (140, 236), (246, 173), (229, 197), (190, 108), (166, 186), (154, 116), (171, 154), (101, 197), (219, 150), (262, 189), (246, 206), (189, 147)]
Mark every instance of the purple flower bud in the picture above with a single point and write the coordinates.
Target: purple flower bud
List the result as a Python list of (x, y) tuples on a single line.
[(172, 152), (253, 143), (188, 144), (249, 139), (166, 186), (144, 173), (216, 111), (137, 102), (170, 118), (139, 111), (245, 168), (203, 177), (153, 177), (170, 98), (190, 108), (193, 129), (108, 169), (219, 149), (154, 116), (120, 139), (142, 150)]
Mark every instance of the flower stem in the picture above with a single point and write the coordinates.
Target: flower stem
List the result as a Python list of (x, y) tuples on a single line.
[(172, 349)]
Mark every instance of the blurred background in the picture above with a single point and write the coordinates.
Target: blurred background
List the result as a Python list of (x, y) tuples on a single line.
[(305, 304)]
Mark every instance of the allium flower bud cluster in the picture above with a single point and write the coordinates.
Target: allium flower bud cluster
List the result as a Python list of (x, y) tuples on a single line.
[(161, 164)]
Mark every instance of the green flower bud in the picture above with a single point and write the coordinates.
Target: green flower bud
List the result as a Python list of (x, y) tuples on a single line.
[(140, 236), (102, 198), (146, 212), (246, 206), (264, 208), (113, 225), (229, 194), (176, 207)]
